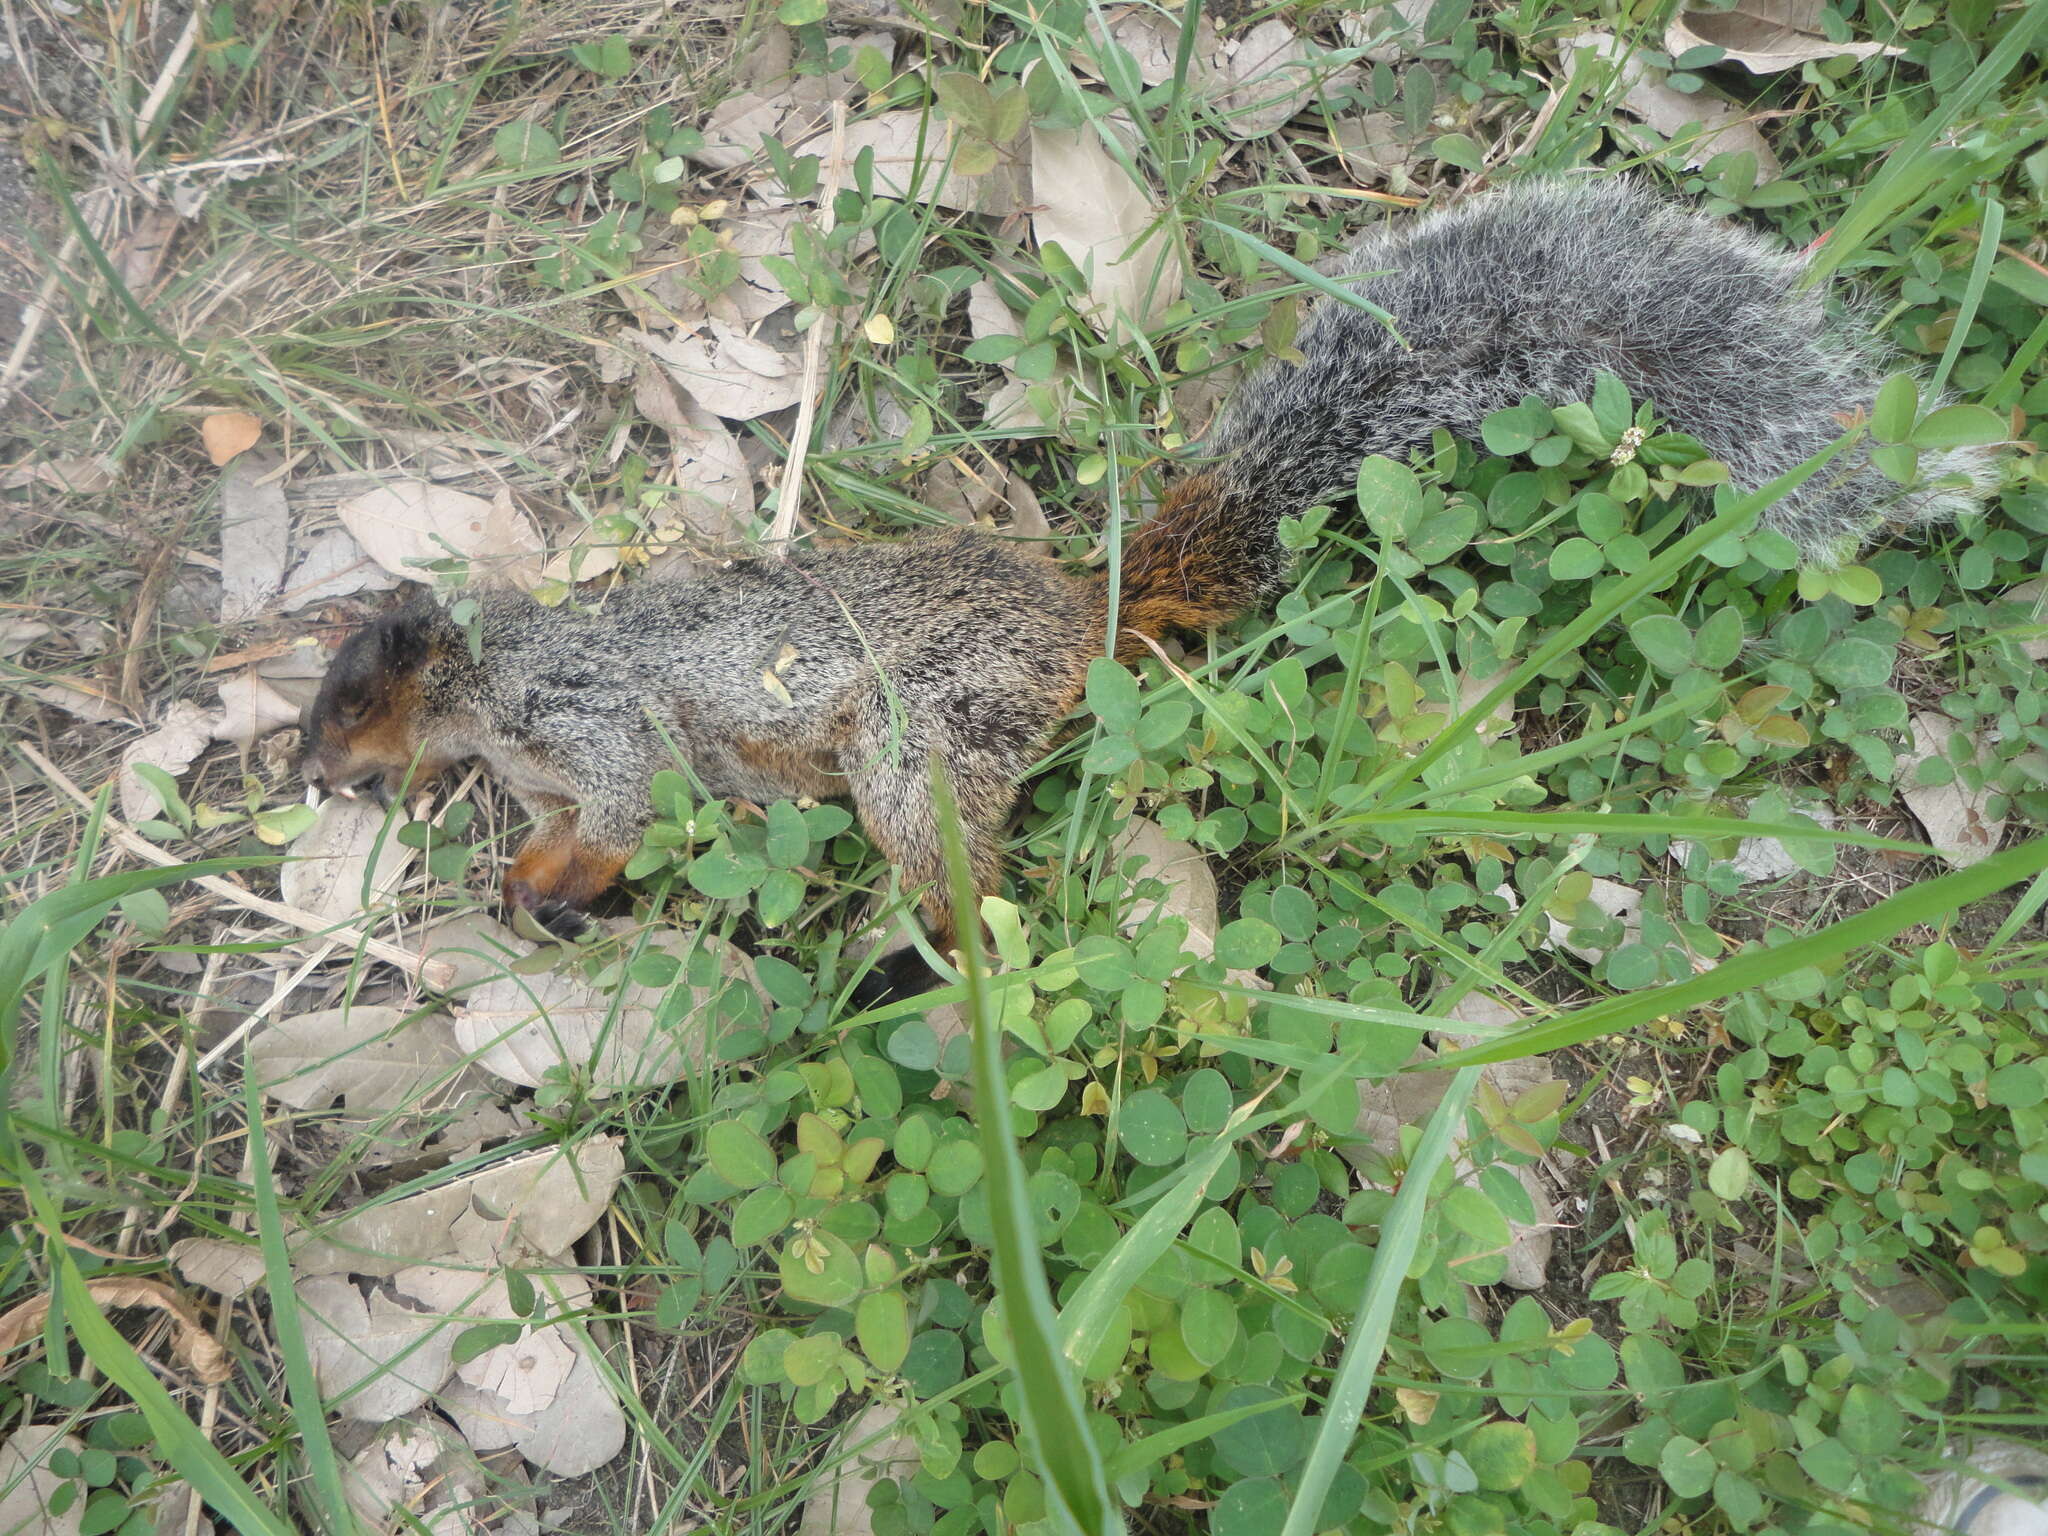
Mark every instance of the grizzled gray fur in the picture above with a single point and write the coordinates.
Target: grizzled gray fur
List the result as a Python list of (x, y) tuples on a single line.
[(1533, 289)]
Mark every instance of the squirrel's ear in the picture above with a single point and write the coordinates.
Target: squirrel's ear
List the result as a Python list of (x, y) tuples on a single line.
[(403, 638)]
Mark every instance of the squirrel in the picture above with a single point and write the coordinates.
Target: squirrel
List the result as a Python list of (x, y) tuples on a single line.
[(841, 670)]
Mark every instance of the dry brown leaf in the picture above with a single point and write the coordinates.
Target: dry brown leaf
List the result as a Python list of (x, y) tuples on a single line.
[(1107, 225), (28, 1487), (1766, 37), (475, 946), (871, 1447), (1953, 816), (987, 314), (325, 873), (370, 1058), (76, 696), (729, 374), (1267, 76), (1152, 38), (184, 734), (527, 1374), (255, 536), (81, 476), (1669, 113), (1617, 901), (228, 434), (418, 1474), (1386, 32), (1144, 852), (520, 1027), (225, 1268), (1374, 147), (190, 1342), (408, 523), (142, 253), (332, 566), (396, 1356), (17, 635), (581, 1430), (251, 708), (535, 1204), (899, 167)]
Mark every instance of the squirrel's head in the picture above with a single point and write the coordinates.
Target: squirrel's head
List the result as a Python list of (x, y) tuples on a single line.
[(366, 728)]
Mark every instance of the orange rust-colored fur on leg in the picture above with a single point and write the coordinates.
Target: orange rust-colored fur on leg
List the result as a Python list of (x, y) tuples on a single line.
[(555, 874)]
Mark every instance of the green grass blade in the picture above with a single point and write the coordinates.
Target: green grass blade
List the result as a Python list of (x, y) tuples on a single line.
[(1616, 601), (1088, 1312), (1400, 1236), (1067, 1455), (1973, 295), (1610, 824), (1907, 172), (178, 1440), (1301, 272), (304, 1391), (1932, 902)]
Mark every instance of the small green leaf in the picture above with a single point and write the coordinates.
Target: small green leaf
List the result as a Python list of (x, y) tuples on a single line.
[(881, 1322), (1960, 426), (738, 1154), (1113, 694), (1688, 1466), (521, 145), (1665, 643), (1502, 1454), (1898, 402), (472, 1342), (1728, 1175)]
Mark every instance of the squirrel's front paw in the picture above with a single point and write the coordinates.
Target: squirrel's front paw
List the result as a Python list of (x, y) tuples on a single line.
[(563, 919)]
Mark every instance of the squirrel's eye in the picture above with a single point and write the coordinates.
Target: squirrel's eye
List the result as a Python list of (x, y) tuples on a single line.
[(350, 710)]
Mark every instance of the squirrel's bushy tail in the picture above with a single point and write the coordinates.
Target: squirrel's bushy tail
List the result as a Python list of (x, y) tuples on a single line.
[(1535, 289)]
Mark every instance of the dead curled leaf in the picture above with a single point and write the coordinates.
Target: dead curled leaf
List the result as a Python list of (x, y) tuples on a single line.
[(332, 565), (1953, 815), (1106, 224), (29, 1489), (1765, 37), (1268, 75), (912, 152), (228, 434), (1722, 128), (76, 696), (255, 536), (225, 1268), (522, 1027), (326, 873), (873, 1446), (80, 476), (581, 1430), (407, 524), (190, 1342), (172, 746), (1144, 853), (374, 1357), (727, 372), (251, 708), (374, 1059), (418, 1474), (534, 1204)]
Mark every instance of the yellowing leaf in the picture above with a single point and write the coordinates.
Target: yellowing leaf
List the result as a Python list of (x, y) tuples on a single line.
[(229, 433), (880, 329)]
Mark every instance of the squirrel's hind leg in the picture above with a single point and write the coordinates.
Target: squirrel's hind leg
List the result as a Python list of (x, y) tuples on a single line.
[(892, 795)]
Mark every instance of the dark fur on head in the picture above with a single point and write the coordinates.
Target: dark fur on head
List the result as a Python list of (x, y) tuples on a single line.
[(363, 731)]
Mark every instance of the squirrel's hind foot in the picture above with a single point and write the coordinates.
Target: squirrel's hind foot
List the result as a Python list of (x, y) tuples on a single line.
[(894, 977)]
